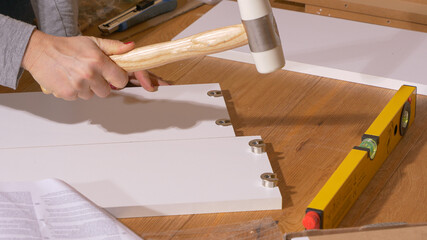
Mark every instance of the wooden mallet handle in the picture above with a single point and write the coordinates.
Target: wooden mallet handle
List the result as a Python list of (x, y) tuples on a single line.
[(201, 44)]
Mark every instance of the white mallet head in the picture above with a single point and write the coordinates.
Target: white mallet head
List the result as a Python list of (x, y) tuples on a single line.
[(263, 36)]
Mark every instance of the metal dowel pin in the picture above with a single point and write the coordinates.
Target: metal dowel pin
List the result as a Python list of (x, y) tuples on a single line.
[(215, 93), (269, 180), (257, 146), (223, 122)]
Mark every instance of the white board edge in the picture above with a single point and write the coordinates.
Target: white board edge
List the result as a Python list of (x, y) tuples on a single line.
[(197, 208), (337, 74)]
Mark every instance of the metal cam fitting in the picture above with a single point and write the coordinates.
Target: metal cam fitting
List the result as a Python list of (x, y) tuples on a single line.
[(257, 146), (215, 93), (223, 122), (269, 180)]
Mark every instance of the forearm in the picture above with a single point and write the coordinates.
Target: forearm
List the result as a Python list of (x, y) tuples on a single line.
[(57, 17), (14, 37)]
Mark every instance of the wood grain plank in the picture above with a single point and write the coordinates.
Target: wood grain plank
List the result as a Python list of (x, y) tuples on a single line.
[(403, 198), (408, 11), (365, 18), (153, 225)]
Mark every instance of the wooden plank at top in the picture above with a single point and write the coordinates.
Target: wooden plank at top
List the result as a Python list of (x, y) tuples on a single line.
[(335, 48), (405, 10), (365, 18), (131, 114)]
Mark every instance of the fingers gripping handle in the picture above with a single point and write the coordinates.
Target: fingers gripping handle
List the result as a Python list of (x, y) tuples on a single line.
[(201, 44)]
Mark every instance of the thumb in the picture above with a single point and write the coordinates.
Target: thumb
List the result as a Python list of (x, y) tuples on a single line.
[(113, 47)]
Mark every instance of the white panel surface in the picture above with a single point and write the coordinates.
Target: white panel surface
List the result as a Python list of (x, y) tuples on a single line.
[(153, 178), (132, 114), (335, 48)]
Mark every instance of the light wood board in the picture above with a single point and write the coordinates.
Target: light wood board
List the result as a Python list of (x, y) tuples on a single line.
[(154, 178), (335, 48), (132, 114)]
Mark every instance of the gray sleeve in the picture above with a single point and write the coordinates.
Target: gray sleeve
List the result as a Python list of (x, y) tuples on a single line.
[(14, 37), (57, 17)]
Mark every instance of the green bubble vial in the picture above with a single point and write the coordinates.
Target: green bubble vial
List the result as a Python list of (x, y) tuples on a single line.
[(371, 145)]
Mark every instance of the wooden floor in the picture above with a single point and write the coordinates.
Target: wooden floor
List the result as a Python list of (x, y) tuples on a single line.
[(310, 124)]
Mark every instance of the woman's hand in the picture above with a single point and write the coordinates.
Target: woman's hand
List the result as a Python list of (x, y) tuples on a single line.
[(79, 67)]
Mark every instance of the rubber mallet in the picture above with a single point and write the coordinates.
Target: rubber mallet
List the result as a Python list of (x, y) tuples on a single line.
[(258, 28)]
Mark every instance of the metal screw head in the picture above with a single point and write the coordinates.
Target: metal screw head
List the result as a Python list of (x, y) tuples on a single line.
[(269, 180), (223, 122), (215, 93), (257, 146)]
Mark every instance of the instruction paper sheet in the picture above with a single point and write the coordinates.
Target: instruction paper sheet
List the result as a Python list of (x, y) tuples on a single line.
[(50, 209)]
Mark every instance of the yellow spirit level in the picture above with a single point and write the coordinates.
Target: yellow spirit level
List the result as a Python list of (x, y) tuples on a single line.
[(352, 176)]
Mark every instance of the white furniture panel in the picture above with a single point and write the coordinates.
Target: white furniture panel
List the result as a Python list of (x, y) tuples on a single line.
[(153, 178), (335, 48), (132, 114)]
